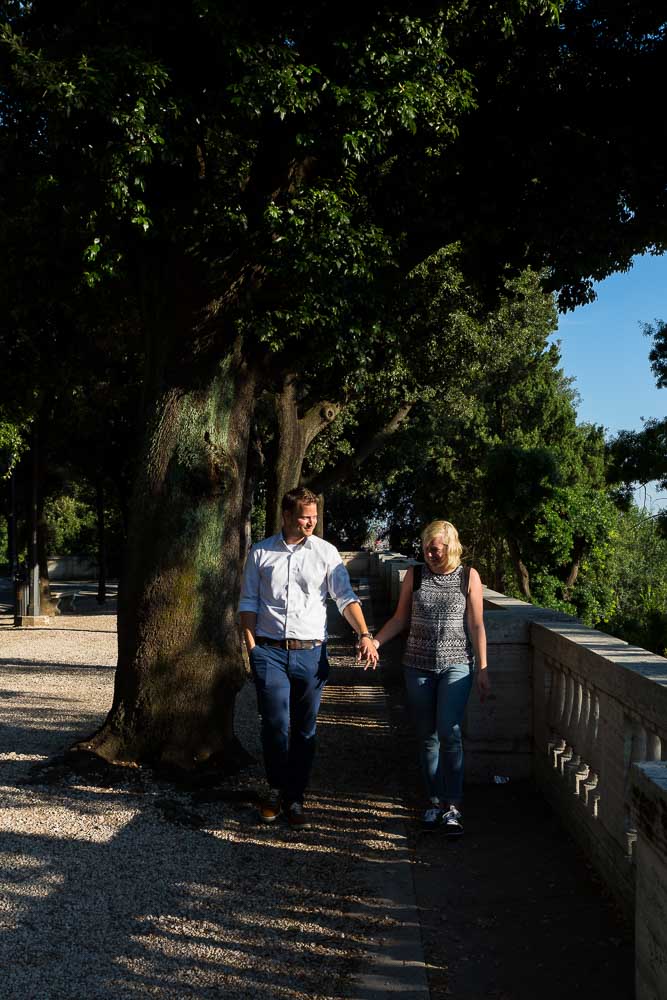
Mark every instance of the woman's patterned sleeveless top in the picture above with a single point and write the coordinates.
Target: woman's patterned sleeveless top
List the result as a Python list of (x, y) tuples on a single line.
[(438, 634)]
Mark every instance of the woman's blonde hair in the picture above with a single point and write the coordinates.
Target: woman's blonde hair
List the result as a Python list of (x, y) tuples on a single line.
[(451, 537)]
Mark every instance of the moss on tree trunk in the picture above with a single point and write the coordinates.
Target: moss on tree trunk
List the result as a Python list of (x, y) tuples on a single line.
[(179, 656)]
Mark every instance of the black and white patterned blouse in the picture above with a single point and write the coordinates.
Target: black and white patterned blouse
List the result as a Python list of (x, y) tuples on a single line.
[(438, 634)]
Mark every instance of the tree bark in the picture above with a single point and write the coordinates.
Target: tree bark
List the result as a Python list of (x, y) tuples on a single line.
[(179, 663), (577, 555), (254, 465), (294, 435), (521, 570), (101, 542)]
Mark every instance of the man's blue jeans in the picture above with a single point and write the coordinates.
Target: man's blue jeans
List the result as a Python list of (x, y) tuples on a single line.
[(289, 687), (438, 702)]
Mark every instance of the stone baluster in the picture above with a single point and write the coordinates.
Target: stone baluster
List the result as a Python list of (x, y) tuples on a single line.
[(556, 711), (577, 738), (590, 785), (566, 755), (638, 754), (583, 768), (654, 747), (577, 733)]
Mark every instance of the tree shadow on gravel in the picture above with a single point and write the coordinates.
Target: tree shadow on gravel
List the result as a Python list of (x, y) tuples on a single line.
[(130, 885)]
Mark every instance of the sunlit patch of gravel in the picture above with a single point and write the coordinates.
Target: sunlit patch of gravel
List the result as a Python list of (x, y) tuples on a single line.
[(137, 889)]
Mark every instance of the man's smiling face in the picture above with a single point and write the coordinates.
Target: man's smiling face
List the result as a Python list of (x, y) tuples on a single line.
[(300, 523)]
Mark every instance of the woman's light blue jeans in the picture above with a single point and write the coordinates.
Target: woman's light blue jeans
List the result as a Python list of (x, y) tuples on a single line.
[(438, 702)]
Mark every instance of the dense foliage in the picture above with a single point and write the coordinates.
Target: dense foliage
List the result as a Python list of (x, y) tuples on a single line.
[(496, 448), (638, 569)]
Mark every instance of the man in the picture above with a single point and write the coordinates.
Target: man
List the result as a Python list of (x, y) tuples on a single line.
[(283, 617)]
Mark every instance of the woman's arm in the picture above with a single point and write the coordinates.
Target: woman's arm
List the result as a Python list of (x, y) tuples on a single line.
[(400, 619), (477, 632)]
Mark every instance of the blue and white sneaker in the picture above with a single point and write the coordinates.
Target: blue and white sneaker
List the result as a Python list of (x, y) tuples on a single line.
[(451, 822)]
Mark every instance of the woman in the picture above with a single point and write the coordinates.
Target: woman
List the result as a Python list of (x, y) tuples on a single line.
[(442, 604)]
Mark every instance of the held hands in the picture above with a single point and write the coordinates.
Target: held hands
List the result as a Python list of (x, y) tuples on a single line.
[(367, 652)]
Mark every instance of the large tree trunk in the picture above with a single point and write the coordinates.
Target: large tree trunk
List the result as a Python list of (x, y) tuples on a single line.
[(179, 662), (38, 526), (254, 465), (101, 541), (294, 435), (47, 605)]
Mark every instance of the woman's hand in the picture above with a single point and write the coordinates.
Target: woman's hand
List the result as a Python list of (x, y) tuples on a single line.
[(483, 683), (367, 652)]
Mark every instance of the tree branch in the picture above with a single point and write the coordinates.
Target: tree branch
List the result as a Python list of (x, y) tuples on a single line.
[(317, 418), (321, 482)]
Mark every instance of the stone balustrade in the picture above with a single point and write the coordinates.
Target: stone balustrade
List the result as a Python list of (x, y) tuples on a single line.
[(600, 705), (585, 715)]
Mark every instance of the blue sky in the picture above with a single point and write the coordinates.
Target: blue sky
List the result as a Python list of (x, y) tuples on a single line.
[(603, 347)]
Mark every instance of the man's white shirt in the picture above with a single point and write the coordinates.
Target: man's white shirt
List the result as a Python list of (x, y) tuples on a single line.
[(287, 587)]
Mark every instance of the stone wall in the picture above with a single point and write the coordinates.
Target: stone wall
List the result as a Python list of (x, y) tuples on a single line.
[(72, 568), (599, 706)]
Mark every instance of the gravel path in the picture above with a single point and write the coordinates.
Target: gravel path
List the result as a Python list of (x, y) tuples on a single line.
[(140, 890)]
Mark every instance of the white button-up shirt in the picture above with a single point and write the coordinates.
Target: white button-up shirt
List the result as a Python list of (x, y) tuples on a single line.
[(287, 588)]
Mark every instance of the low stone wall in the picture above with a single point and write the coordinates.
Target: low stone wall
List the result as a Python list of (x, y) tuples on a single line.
[(357, 563), (72, 568)]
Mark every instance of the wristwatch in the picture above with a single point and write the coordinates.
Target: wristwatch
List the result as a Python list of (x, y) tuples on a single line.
[(364, 635)]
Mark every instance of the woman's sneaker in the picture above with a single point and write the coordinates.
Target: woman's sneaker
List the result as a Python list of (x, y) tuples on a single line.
[(432, 818), (451, 822)]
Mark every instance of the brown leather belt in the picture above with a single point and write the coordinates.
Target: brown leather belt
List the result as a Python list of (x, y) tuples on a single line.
[(263, 640)]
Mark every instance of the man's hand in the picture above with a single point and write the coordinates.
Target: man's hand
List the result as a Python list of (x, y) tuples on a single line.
[(367, 652)]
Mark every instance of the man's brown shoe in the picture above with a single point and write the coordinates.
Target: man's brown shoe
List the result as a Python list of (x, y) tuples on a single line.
[(296, 817), (270, 808)]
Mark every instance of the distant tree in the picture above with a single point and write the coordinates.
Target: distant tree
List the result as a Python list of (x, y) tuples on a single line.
[(640, 457), (498, 451), (638, 569)]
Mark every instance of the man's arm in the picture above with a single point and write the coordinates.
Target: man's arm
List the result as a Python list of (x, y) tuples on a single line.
[(248, 626), (249, 603), (366, 647)]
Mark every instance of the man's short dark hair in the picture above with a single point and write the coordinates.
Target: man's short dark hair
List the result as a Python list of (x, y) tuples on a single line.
[(298, 495)]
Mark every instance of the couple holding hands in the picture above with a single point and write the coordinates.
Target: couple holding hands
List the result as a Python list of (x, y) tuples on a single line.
[(286, 582)]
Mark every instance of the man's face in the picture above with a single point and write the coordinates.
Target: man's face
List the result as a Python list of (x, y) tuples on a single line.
[(300, 523)]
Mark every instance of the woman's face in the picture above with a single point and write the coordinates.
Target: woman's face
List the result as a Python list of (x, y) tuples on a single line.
[(436, 553)]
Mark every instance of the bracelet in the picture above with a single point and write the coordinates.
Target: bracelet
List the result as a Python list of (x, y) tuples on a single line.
[(364, 635)]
